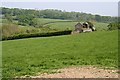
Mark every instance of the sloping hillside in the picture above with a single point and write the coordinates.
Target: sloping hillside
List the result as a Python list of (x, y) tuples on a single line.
[(33, 55)]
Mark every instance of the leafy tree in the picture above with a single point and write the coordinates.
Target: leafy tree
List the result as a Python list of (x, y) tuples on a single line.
[(34, 23), (25, 19), (9, 17), (98, 18), (113, 26)]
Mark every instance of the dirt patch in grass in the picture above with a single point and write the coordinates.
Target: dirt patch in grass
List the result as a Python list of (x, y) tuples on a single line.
[(81, 72)]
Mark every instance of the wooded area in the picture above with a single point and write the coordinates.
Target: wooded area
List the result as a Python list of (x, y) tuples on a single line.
[(27, 16)]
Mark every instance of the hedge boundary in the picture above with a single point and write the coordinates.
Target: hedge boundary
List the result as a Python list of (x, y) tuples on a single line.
[(48, 34)]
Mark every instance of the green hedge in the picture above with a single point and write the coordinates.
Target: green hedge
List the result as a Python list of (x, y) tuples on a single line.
[(20, 36)]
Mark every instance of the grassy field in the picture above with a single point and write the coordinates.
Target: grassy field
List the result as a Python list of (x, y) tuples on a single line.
[(43, 21), (70, 25), (62, 25), (66, 24), (33, 55), (100, 26)]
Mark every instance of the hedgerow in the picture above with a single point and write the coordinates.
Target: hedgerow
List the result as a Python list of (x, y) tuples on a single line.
[(20, 36)]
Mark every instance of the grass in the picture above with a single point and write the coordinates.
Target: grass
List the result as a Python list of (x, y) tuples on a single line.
[(70, 25), (62, 25), (33, 55), (100, 26), (43, 21)]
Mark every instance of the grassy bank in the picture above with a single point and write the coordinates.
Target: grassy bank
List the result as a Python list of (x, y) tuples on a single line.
[(29, 56)]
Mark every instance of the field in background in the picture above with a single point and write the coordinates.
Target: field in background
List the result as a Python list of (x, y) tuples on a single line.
[(100, 26), (58, 24), (43, 21), (33, 55), (62, 25), (67, 24), (70, 25)]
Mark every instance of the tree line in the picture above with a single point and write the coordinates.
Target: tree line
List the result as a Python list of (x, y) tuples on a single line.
[(27, 16)]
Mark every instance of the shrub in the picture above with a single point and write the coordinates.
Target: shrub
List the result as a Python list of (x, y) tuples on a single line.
[(113, 26), (9, 29)]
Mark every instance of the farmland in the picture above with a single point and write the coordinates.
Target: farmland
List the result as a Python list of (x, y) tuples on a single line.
[(33, 55), (29, 56), (47, 21)]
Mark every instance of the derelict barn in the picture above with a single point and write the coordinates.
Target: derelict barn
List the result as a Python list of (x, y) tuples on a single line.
[(85, 27)]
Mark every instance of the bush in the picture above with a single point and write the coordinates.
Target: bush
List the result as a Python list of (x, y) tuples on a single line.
[(113, 26), (9, 29)]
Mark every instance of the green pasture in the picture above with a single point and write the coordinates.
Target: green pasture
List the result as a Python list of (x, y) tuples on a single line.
[(43, 21), (70, 25), (33, 55)]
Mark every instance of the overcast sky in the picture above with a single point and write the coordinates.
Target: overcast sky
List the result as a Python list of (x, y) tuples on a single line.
[(108, 8)]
